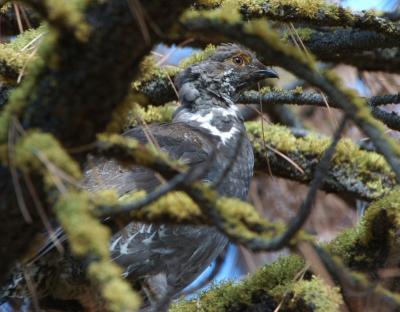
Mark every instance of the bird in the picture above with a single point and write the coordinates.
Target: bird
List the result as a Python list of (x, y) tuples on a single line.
[(164, 259)]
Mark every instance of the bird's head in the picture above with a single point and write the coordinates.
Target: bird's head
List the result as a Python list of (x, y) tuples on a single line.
[(227, 72)]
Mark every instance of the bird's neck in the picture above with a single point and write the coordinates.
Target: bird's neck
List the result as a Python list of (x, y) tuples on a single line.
[(209, 110)]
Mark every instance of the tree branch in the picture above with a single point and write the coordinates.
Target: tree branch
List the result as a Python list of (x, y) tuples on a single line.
[(319, 13)]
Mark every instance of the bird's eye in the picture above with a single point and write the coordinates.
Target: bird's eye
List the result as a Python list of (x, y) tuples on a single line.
[(238, 60)]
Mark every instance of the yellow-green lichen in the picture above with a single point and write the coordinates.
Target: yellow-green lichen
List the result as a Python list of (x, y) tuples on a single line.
[(240, 218), (69, 14), (135, 110), (88, 237), (86, 234), (134, 152), (176, 206), (150, 69), (306, 8), (116, 292), (150, 114), (347, 152), (298, 90), (36, 151), (5, 7), (228, 11)]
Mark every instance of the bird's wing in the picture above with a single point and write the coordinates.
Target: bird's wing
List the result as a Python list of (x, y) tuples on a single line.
[(180, 141), (145, 249)]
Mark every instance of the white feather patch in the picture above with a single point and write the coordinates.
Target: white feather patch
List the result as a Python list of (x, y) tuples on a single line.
[(205, 121)]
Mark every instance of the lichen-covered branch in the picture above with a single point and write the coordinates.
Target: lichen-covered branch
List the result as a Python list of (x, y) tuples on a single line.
[(376, 60), (318, 13), (366, 50), (392, 120), (354, 172), (270, 286), (341, 41)]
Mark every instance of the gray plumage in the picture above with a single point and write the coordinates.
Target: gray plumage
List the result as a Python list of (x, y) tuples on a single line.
[(165, 258)]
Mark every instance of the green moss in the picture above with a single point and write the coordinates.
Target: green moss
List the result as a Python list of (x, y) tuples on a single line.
[(14, 56), (23, 39), (309, 9), (317, 295), (236, 296), (344, 243), (19, 96), (304, 33), (347, 153), (366, 246)]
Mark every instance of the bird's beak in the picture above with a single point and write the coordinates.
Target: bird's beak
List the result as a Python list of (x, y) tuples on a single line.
[(267, 72)]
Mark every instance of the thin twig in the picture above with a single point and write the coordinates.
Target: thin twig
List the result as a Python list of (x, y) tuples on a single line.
[(14, 175)]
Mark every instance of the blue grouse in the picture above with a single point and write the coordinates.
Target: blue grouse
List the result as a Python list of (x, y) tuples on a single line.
[(164, 259)]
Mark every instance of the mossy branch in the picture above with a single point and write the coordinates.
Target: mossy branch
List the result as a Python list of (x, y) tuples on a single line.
[(354, 172), (392, 120), (343, 41), (318, 13)]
